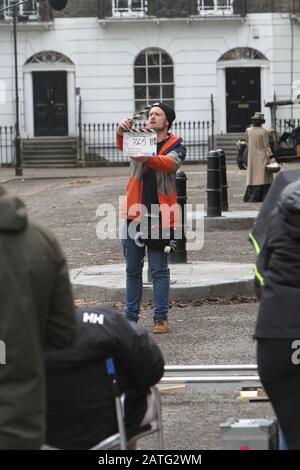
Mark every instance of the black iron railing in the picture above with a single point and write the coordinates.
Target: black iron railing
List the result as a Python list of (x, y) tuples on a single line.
[(98, 141), (28, 10), (79, 125), (33, 10), (170, 8), (7, 135)]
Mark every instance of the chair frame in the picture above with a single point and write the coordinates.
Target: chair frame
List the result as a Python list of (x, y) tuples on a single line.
[(120, 440)]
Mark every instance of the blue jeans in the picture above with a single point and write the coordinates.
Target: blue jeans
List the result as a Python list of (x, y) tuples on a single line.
[(158, 265)]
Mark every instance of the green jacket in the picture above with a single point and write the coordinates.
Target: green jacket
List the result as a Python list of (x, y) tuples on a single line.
[(36, 313)]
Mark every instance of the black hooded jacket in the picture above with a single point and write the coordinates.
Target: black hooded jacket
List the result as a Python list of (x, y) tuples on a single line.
[(279, 267), (81, 409)]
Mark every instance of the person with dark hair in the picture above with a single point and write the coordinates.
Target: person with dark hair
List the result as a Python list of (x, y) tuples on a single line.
[(151, 205), (81, 409), (259, 179), (36, 313), (278, 323)]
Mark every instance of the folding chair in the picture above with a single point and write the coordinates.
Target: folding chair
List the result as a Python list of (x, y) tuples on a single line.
[(121, 439)]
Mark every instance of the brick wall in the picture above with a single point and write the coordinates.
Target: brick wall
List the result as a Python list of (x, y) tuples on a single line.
[(79, 8), (172, 9), (275, 6), (45, 12)]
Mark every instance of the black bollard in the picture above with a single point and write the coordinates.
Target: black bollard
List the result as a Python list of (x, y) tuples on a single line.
[(213, 185), (223, 180), (180, 254)]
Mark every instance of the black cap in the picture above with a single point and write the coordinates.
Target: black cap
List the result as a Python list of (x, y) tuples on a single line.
[(169, 112)]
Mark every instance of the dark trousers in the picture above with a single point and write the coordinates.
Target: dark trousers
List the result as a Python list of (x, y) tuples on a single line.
[(279, 371)]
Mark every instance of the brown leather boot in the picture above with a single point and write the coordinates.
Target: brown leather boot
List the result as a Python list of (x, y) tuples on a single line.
[(161, 326)]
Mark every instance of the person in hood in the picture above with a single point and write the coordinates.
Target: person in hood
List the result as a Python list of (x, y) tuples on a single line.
[(80, 406), (278, 323), (150, 208), (36, 313)]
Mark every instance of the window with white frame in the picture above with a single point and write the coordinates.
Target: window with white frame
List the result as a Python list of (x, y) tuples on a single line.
[(215, 7), (129, 7), (153, 78), (28, 10)]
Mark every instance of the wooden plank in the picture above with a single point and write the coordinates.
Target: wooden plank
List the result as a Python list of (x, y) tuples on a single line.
[(251, 394), (180, 388)]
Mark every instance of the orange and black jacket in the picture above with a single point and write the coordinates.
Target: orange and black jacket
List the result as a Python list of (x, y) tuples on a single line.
[(165, 164)]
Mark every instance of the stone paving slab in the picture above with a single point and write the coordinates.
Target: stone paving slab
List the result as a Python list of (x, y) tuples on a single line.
[(8, 174), (188, 281), (231, 220)]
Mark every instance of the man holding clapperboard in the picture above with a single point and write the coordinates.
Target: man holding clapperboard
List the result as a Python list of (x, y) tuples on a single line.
[(150, 208)]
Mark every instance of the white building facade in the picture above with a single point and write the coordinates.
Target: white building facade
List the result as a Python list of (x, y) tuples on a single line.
[(118, 63)]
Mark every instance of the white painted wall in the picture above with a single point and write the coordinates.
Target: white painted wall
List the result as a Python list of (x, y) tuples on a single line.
[(104, 56), (283, 71)]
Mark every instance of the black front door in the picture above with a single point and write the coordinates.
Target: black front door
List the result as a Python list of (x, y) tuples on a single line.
[(50, 103), (243, 97)]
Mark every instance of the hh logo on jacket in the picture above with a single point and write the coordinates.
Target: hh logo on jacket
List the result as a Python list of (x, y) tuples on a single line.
[(93, 318)]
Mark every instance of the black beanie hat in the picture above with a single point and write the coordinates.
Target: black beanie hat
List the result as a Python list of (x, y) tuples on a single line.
[(169, 112)]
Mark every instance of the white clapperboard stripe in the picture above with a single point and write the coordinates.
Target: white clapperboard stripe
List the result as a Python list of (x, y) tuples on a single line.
[(138, 115)]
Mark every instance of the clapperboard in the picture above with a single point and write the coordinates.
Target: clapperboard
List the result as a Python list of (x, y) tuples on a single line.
[(137, 142)]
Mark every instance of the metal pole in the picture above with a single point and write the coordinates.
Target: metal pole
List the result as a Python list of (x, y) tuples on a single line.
[(212, 121), (80, 129), (18, 171), (180, 254), (213, 185), (111, 372), (161, 439), (183, 372), (210, 379), (206, 368)]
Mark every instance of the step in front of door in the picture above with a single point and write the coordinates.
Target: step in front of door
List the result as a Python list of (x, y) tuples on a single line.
[(49, 163)]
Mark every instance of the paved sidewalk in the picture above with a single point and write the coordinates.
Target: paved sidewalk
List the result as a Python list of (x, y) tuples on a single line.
[(8, 174), (230, 220), (188, 281)]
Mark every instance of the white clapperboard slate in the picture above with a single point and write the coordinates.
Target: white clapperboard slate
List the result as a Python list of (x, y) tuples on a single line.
[(139, 143)]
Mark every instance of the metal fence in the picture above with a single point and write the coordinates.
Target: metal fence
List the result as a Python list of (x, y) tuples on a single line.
[(7, 135), (97, 141)]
